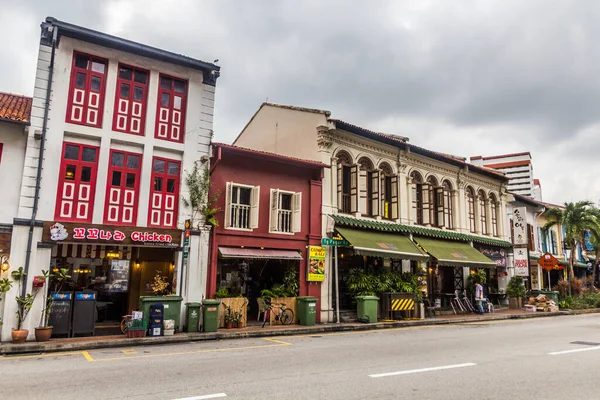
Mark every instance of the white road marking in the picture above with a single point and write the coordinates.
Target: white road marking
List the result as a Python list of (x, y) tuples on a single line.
[(206, 396), (556, 353), (414, 371)]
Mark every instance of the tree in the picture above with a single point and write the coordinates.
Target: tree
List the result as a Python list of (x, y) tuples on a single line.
[(200, 200), (594, 230), (576, 219)]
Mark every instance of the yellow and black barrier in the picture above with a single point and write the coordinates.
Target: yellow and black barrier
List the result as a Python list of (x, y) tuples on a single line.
[(403, 304)]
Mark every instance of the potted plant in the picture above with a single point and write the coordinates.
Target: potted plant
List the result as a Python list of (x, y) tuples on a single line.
[(236, 319), (5, 286), (136, 328), (44, 332), (24, 304), (515, 290), (228, 318)]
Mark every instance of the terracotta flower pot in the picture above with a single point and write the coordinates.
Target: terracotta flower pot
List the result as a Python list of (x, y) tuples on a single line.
[(43, 334), (228, 325), (19, 335)]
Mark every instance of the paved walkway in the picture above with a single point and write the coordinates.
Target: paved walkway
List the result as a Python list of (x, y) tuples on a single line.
[(88, 343)]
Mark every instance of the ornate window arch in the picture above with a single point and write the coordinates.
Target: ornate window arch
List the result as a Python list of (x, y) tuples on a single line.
[(483, 217), (344, 181), (416, 180), (495, 206), (368, 186), (470, 195), (389, 191), (434, 201), (448, 206)]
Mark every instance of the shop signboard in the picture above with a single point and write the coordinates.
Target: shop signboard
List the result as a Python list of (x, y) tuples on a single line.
[(520, 226), (496, 254), (335, 241), (67, 232), (316, 264), (521, 262), (548, 262)]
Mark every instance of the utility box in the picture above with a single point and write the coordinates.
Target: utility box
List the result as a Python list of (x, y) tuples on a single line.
[(193, 316), (367, 308), (306, 308), (210, 315)]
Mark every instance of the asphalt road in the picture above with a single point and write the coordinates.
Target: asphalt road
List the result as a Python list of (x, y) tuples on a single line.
[(523, 359)]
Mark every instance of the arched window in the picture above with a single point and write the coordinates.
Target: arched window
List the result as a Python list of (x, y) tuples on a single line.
[(482, 212), (448, 214), (471, 208), (417, 197), (369, 188), (435, 202), (495, 208), (344, 172), (389, 188)]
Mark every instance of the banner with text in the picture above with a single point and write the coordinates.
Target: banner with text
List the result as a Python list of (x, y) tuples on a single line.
[(520, 226), (316, 264), (521, 262)]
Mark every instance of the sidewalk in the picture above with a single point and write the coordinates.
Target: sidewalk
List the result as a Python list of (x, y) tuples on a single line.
[(88, 343)]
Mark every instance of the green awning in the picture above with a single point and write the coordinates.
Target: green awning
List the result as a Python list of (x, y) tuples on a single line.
[(378, 244), (455, 254)]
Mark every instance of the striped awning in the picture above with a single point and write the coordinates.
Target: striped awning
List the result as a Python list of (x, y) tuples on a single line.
[(262, 254)]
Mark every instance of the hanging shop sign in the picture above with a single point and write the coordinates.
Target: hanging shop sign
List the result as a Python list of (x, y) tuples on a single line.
[(548, 262), (521, 262), (520, 225), (496, 254), (316, 264), (66, 232)]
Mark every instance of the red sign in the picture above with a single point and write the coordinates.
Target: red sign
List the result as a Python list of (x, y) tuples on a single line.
[(548, 262)]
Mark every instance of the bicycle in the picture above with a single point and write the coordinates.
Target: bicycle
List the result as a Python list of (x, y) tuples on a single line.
[(283, 315), (125, 323)]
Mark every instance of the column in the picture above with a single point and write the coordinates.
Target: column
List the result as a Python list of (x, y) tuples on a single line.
[(488, 221), (404, 197), (334, 185), (456, 213)]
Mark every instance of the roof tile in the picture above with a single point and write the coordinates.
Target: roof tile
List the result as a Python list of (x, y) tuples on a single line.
[(15, 108)]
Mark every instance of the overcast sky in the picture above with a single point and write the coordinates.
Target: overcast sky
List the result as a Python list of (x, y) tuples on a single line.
[(465, 77)]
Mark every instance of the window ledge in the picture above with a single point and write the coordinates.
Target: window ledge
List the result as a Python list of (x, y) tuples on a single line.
[(239, 229)]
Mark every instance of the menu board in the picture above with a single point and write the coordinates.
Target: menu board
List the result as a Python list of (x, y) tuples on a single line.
[(118, 281)]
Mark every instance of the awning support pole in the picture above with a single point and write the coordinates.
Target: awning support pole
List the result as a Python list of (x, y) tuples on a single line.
[(337, 287)]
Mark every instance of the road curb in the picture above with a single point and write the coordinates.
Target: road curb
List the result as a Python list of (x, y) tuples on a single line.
[(50, 347)]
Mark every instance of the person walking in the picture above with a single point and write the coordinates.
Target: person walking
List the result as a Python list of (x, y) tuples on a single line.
[(479, 297)]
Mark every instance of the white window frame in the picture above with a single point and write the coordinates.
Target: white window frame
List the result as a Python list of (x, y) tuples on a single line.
[(274, 210), (254, 206)]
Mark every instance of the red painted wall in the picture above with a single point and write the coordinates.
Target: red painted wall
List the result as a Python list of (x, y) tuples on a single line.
[(268, 172)]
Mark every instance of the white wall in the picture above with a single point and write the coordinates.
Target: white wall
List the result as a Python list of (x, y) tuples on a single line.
[(13, 137)]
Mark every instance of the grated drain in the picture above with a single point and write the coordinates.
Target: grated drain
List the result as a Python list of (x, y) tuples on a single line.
[(586, 343)]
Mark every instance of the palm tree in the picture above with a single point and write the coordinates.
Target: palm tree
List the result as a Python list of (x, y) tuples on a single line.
[(576, 218), (595, 240)]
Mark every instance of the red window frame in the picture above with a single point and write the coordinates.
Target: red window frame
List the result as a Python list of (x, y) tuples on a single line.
[(170, 121), (73, 194), (130, 112), (83, 102), (164, 201), (121, 202)]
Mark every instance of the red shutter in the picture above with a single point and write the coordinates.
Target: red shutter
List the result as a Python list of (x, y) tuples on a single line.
[(164, 193), (76, 183), (170, 109), (86, 92), (130, 100), (122, 188)]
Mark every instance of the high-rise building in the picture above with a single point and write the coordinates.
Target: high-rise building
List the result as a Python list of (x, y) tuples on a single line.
[(518, 168)]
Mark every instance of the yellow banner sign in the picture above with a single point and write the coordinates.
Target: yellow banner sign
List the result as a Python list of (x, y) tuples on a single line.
[(316, 264)]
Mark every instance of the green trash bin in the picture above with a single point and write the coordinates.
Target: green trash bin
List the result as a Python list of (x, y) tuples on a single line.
[(306, 309), (193, 316), (210, 315), (367, 308), (172, 307)]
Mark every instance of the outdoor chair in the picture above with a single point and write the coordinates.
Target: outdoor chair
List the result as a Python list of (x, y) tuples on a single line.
[(429, 309), (262, 308)]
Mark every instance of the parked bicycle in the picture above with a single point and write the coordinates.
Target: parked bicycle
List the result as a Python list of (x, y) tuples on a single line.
[(280, 312), (125, 323)]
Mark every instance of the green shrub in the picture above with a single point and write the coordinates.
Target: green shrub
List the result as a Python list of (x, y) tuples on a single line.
[(515, 287)]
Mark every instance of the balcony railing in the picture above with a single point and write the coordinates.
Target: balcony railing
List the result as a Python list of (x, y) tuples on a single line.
[(284, 221), (240, 216)]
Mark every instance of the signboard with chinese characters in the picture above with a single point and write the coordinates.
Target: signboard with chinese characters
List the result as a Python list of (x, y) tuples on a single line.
[(316, 264), (520, 226), (521, 262), (67, 232)]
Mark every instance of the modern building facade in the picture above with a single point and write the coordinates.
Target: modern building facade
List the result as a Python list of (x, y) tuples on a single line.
[(115, 125), (269, 226), (400, 206), (518, 168)]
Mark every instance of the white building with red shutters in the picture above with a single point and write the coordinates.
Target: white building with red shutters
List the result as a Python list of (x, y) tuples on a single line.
[(116, 125)]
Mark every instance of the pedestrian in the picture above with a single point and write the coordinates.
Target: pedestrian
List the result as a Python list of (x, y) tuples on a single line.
[(479, 297)]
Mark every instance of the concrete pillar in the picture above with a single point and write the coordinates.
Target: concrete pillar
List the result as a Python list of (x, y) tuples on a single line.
[(404, 198)]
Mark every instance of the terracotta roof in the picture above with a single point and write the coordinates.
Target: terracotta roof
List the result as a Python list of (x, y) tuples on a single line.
[(15, 108), (525, 153), (348, 126), (295, 108), (509, 164), (536, 182), (528, 200), (277, 157)]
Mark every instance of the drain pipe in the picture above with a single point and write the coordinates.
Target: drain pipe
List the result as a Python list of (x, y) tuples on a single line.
[(38, 177)]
